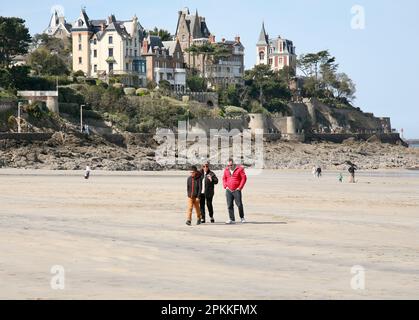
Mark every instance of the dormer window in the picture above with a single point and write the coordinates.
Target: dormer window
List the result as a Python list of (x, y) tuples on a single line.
[(80, 23)]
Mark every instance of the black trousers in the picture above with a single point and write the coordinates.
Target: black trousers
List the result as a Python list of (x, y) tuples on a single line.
[(207, 199), (232, 197)]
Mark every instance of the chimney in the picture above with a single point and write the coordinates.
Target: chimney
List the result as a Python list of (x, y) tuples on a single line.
[(212, 38), (237, 38), (223, 40), (145, 46), (102, 26)]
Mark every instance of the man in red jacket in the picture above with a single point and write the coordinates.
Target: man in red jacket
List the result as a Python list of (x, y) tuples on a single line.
[(234, 181)]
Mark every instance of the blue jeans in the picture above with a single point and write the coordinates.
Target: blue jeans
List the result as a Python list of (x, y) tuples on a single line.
[(232, 197)]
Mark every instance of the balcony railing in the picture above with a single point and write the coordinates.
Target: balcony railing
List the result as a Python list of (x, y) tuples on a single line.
[(120, 73)]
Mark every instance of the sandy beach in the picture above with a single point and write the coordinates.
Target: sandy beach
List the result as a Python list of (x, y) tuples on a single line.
[(123, 236)]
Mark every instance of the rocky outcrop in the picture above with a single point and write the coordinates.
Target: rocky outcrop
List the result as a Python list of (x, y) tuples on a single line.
[(74, 151), (367, 155)]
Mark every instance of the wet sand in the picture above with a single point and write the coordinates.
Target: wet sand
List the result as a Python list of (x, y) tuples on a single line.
[(122, 236)]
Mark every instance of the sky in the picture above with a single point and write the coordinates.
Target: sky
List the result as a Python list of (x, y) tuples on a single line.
[(380, 55)]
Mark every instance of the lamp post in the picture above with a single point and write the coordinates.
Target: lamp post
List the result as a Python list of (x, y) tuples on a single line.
[(81, 117), (19, 107)]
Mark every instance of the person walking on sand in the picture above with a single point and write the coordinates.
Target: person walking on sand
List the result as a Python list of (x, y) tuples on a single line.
[(194, 187), (87, 173), (319, 172), (234, 180), (352, 170), (209, 180)]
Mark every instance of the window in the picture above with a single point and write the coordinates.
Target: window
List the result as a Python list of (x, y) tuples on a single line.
[(110, 52), (95, 68), (261, 55), (80, 47), (95, 42), (135, 53), (110, 67), (169, 76), (79, 37), (110, 40), (94, 53), (127, 66), (80, 60)]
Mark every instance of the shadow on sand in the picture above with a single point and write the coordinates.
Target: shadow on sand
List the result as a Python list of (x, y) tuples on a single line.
[(247, 223)]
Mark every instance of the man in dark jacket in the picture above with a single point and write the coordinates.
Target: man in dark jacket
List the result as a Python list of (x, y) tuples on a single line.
[(194, 187), (209, 180)]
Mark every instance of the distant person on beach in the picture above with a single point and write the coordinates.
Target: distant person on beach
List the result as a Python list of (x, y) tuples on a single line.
[(234, 180), (209, 180), (352, 169), (194, 187), (340, 177), (318, 172), (87, 173)]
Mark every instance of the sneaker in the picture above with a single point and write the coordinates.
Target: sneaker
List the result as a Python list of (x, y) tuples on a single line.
[(212, 220), (230, 222), (188, 223), (203, 221), (243, 220), (198, 222)]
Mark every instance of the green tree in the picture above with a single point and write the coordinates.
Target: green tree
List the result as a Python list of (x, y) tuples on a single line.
[(312, 63), (265, 85), (344, 87), (195, 83), (203, 50), (60, 47), (163, 34), (14, 39), (43, 62)]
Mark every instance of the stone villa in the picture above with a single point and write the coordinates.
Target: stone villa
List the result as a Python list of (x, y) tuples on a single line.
[(192, 29), (58, 27), (277, 52), (164, 62), (109, 47)]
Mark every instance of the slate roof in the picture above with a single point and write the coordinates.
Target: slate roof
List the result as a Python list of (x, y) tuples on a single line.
[(263, 37)]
